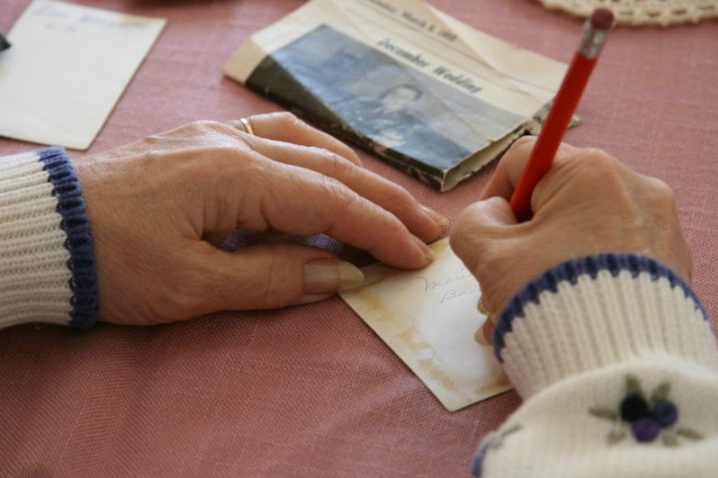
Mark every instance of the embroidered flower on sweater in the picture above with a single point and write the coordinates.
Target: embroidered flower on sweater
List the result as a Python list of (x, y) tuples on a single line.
[(647, 417)]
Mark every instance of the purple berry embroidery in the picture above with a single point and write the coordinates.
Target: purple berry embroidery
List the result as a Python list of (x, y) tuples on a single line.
[(665, 412), (646, 417), (645, 430)]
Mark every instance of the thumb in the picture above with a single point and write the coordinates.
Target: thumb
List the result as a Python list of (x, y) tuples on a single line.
[(270, 276)]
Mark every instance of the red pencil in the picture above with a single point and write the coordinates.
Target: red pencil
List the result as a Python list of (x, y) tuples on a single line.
[(564, 105)]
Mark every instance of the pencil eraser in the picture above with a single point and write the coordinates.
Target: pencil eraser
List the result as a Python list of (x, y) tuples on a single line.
[(602, 18)]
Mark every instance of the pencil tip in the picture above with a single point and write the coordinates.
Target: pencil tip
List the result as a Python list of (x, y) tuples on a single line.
[(602, 18)]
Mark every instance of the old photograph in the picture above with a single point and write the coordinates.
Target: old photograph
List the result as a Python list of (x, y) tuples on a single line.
[(405, 116)]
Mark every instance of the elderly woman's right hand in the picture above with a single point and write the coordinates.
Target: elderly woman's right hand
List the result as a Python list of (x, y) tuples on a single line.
[(153, 204), (588, 203)]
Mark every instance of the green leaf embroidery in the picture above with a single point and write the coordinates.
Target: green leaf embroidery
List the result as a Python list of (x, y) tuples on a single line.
[(661, 392), (604, 413), (669, 435), (499, 441), (616, 436), (689, 433), (633, 386), (669, 439)]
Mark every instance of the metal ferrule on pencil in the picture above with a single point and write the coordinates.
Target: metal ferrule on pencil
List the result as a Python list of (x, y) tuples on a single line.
[(592, 40)]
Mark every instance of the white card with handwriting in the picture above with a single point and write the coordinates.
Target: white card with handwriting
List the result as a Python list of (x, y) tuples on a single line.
[(67, 68), (428, 318)]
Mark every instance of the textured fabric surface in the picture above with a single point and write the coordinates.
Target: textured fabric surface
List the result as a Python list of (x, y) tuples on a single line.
[(643, 12), (311, 391)]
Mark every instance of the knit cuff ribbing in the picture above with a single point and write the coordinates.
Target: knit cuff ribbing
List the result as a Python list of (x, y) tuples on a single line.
[(47, 265), (596, 311), (75, 223)]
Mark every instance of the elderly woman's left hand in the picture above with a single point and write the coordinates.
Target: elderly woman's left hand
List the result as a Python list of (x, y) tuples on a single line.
[(155, 205)]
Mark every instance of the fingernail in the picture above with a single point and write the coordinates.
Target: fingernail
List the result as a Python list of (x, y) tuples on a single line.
[(440, 220), (482, 307), (428, 253), (323, 276), (480, 338)]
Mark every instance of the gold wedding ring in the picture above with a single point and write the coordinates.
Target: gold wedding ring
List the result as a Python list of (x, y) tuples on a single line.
[(247, 126)]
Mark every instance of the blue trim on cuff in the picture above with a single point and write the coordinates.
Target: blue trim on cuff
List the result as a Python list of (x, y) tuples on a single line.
[(570, 271), (477, 461), (76, 224)]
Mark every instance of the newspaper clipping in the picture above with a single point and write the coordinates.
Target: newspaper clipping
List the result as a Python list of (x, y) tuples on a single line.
[(432, 96)]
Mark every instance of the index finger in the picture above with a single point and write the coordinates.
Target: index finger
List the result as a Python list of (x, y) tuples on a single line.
[(420, 220), (511, 166), (508, 171), (300, 201)]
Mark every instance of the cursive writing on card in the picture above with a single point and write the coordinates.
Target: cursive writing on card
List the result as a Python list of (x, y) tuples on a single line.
[(428, 318), (68, 67), (56, 16)]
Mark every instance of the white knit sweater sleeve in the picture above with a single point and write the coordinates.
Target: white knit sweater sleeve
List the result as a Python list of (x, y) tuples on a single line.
[(47, 266), (618, 368)]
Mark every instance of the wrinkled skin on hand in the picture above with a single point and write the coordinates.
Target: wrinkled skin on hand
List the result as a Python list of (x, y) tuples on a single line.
[(159, 208)]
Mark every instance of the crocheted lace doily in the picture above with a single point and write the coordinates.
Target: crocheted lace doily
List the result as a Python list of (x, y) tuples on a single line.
[(642, 12)]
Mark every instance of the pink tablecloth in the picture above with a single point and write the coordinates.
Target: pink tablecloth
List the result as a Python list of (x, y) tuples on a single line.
[(311, 391)]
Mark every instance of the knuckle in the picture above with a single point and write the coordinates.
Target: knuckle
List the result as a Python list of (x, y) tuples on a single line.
[(662, 190), (346, 172), (340, 167), (597, 154), (207, 125), (598, 165), (286, 119), (662, 200), (524, 141), (399, 198), (600, 161), (339, 194), (520, 147), (344, 203)]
